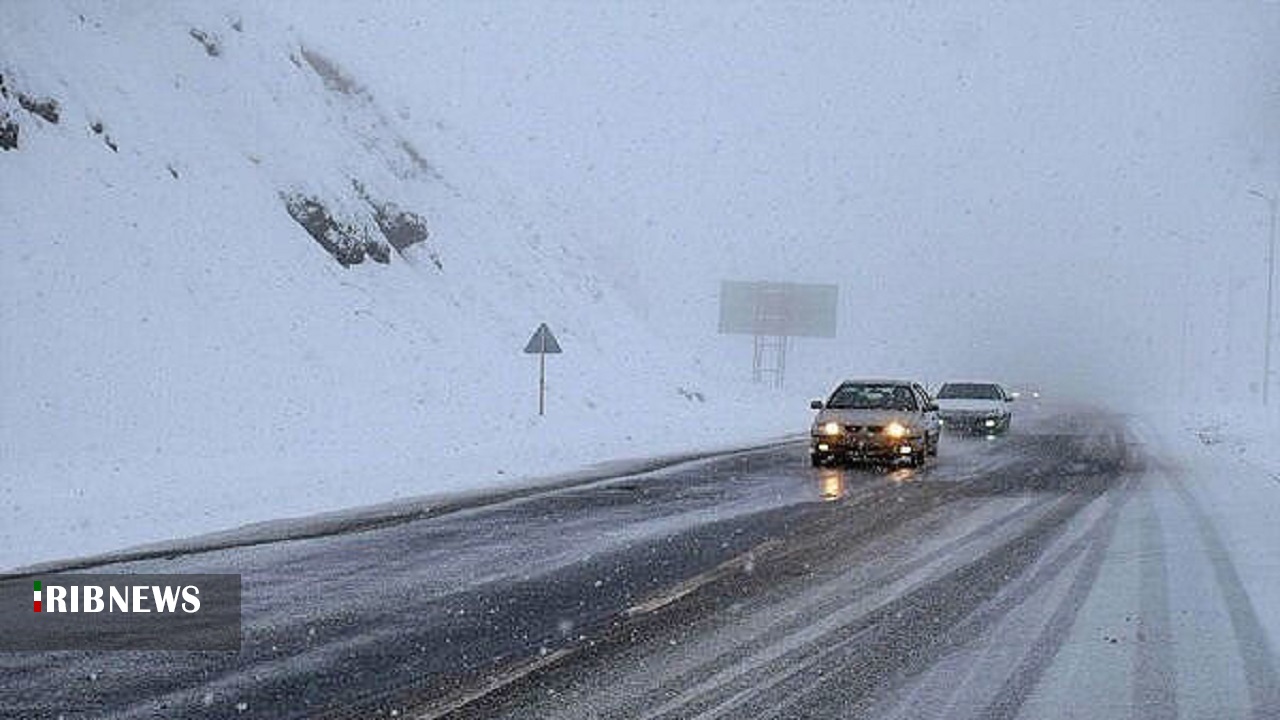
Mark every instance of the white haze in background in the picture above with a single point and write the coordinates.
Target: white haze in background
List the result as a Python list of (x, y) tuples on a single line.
[(1045, 192)]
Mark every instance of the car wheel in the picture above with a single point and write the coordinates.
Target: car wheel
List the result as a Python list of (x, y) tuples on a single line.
[(933, 446), (817, 460)]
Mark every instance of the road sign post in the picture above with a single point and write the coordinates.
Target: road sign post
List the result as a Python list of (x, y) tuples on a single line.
[(542, 342)]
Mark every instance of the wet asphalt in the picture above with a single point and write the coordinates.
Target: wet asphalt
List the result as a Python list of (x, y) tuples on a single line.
[(747, 585)]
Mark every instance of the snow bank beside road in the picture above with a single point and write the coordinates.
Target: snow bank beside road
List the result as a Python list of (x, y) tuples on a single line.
[(1247, 433), (447, 490)]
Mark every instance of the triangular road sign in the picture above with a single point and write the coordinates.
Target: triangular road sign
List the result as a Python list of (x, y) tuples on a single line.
[(542, 341)]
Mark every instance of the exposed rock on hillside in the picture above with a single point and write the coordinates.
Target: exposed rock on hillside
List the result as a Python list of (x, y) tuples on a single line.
[(209, 42), (402, 228), (46, 108), (348, 243), (332, 76), (8, 133)]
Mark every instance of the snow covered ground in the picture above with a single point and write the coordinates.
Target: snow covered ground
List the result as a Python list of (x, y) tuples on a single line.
[(1245, 433), (179, 355), (1232, 461)]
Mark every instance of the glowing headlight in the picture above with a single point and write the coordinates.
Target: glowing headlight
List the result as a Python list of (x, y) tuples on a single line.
[(830, 428), (990, 423), (895, 430)]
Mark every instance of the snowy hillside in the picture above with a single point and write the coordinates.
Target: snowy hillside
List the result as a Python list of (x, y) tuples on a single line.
[(237, 287)]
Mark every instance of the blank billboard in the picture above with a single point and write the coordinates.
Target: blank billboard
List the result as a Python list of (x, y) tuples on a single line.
[(780, 309)]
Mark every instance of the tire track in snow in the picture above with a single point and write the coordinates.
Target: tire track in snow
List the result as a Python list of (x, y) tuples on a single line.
[(1008, 701), (749, 672), (887, 643), (1155, 677), (1251, 639)]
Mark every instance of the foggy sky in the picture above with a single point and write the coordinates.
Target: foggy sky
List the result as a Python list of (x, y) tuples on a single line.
[(1051, 192)]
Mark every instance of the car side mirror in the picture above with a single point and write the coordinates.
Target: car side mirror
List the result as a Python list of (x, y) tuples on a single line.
[(815, 404)]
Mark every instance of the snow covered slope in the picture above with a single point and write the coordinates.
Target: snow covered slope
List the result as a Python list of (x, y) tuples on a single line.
[(178, 353)]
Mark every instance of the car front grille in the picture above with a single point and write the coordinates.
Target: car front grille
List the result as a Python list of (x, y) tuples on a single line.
[(863, 429)]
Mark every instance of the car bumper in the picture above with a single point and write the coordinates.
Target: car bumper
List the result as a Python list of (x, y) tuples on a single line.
[(865, 448), (977, 424)]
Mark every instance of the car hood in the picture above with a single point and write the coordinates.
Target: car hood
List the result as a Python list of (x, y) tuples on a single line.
[(866, 417), (971, 405)]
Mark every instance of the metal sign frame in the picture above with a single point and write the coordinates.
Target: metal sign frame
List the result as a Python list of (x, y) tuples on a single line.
[(773, 312)]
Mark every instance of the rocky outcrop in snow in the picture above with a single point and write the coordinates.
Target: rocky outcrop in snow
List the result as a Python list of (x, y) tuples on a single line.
[(348, 242)]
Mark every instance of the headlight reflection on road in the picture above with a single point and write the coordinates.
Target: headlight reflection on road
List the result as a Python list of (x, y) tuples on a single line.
[(902, 475), (831, 485)]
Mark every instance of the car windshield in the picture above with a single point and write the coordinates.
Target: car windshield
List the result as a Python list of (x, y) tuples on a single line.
[(868, 396), (970, 391)]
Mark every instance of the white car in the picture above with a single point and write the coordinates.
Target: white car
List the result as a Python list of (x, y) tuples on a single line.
[(974, 407)]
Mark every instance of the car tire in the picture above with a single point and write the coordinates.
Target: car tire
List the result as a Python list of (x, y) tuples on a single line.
[(817, 460), (933, 446)]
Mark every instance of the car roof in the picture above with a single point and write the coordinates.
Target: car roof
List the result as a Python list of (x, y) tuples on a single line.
[(877, 381), (971, 382)]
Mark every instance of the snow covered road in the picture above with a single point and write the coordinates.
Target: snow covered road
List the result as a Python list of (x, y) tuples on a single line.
[(1086, 565), (1085, 576)]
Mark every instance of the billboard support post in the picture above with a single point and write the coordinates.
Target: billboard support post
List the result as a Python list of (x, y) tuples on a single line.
[(772, 313)]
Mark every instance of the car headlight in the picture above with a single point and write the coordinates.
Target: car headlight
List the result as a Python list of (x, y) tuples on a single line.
[(831, 428), (895, 430)]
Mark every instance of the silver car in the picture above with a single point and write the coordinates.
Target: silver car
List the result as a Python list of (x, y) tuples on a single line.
[(875, 420), (974, 407)]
